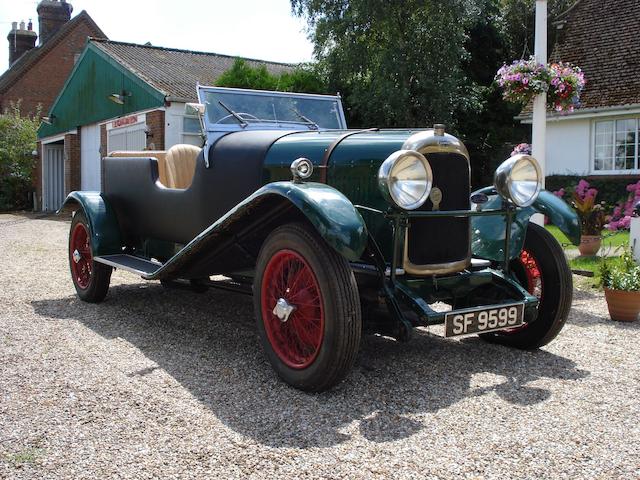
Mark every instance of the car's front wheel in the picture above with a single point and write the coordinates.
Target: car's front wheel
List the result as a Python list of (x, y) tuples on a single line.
[(307, 308), (90, 278), (543, 271)]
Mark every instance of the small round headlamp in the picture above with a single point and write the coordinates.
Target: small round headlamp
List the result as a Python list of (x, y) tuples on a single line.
[(519, 180), (301, 169), (405, 179)]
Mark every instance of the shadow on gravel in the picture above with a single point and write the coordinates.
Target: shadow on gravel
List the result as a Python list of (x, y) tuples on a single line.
[(209, 344)]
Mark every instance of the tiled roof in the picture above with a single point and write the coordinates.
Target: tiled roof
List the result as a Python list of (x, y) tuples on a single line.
[(26, 61), (601, 37), (176, 72)]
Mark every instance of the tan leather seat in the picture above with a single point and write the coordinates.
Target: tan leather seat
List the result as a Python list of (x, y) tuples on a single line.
[(181, 165), (160, 155)]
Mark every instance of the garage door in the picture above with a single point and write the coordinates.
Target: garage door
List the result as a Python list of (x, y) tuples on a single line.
[(53, 177), (131, 138), (90, 158)]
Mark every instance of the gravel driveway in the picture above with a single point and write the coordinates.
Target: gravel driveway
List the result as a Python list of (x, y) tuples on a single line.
[(163, 383)]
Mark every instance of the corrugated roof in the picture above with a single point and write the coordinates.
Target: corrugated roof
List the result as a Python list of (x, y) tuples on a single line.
[(176, 72), (26, 61), (602, 38)]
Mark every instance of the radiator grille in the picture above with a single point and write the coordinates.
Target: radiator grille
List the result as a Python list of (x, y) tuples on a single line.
[(443, 240)]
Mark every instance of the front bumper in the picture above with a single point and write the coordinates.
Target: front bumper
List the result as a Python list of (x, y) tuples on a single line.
[(476, 289)]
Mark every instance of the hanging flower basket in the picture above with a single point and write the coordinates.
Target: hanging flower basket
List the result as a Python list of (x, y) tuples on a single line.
[(524, 79)]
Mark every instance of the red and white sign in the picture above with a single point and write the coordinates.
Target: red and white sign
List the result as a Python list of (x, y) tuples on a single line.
[(124, 121)]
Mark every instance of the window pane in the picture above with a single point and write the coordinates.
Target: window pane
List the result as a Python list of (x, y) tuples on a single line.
[(191, 125), (604, 146), (625, 144)]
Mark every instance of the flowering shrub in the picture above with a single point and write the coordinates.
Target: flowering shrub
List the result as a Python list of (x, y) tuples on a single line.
[(524, 79), (591, 214), (560, 193), (523, 148), (622, 213)]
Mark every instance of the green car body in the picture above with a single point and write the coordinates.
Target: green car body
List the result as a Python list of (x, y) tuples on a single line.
[(470, 250)]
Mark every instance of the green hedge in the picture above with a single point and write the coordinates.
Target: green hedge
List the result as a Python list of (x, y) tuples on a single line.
[(610, 190)]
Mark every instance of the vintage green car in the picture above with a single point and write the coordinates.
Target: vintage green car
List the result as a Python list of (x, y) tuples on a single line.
[(334, 232)]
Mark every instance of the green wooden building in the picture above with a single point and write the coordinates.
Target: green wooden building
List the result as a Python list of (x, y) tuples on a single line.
[(121, 96)]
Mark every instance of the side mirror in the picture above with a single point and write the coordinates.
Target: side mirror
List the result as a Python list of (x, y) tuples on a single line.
[(194, 109)]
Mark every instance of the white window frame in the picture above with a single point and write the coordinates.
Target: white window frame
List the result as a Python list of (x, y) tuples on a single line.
[(592, 161)]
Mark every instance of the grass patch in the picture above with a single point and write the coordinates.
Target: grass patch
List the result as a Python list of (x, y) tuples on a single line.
[(592, 264), (25, 457), (610, 240), (613, 244)]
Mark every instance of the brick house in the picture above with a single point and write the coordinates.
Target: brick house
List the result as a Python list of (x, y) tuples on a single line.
[(122, 96), (36, 74), (599, 139)]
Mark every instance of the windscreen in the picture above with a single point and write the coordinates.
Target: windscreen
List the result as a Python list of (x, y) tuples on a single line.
[(280, 109)]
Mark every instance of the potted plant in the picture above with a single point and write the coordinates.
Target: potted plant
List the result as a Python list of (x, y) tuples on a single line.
[(621, 283), (592, 218)]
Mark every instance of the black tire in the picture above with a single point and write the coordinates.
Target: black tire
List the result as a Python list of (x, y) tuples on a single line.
[(337, 343), (93, 286), (557, 292)]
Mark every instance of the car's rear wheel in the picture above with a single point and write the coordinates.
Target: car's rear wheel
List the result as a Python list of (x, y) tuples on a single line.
[(90, 278), (307, 309), (543, 271)]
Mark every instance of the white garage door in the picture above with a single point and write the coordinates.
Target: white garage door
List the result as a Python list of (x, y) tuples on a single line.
[(131, 138), (53, 177), (90, 158)]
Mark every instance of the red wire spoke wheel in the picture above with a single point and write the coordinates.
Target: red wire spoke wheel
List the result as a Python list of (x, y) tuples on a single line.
[(307, 308), (297, 337), (532, 272), (90, 278), (81, 259)]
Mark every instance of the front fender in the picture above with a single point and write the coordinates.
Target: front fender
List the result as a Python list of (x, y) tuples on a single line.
[(331, 214), (329, 211), (488, 233), (103, 224)]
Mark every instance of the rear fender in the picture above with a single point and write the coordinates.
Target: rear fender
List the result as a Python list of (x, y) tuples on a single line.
[(103, 224), (488, 233)]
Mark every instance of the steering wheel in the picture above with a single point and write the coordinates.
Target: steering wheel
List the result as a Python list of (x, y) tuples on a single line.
[(242, 115)]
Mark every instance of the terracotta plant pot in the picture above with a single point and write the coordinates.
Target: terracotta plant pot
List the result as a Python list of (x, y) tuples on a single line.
[(589, 245), (623, 306)]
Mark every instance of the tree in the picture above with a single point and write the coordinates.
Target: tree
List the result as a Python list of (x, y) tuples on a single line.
[(396, 62), (302, 78), (18, 136), (407, 63), (518, 20)]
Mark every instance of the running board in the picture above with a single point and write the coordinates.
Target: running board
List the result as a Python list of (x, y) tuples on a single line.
[(130, 263)]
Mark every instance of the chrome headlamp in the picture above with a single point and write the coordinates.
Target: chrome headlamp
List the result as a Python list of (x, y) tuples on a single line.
[(405, 179), (519, 180)]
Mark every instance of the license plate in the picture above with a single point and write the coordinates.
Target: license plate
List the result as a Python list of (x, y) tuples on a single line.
[(482, 320)]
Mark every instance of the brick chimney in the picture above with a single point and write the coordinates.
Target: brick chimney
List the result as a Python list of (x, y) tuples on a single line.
[(52, 14), (21, 40)]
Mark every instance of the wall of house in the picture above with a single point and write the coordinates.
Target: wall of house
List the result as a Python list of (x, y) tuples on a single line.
[(173, 123), (40, 85), (568, 147), (156, 130), (71, 163)]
